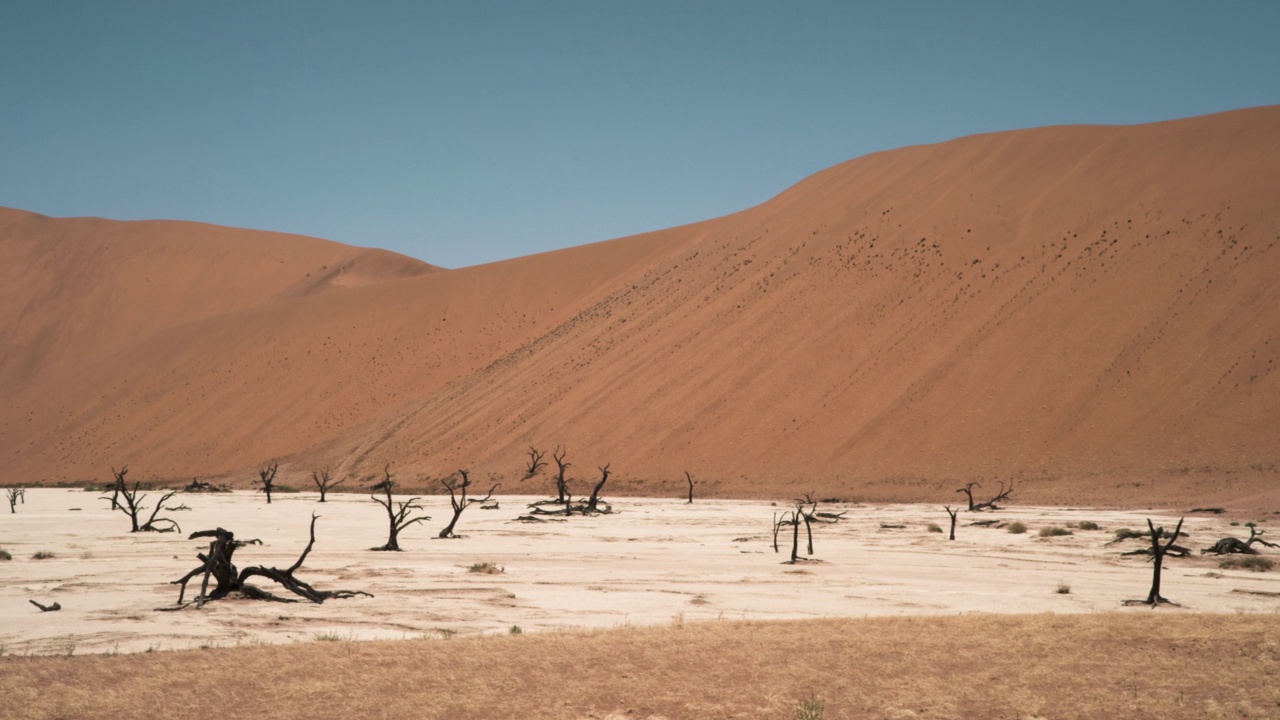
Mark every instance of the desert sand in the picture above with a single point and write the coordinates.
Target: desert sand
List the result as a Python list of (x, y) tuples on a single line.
[(653, 562), (1090, 310)]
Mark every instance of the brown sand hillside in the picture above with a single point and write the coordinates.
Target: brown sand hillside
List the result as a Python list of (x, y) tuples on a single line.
[(76, 289), (1092, 310)]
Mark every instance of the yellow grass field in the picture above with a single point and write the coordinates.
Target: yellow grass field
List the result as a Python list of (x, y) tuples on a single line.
[(1167, 663)]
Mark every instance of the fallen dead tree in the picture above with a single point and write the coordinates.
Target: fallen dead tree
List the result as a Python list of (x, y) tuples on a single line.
[(593, 505), (1230, 545), (1172, 549), (989, 504), (217, 565)]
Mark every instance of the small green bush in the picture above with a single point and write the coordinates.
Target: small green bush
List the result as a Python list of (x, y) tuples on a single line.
[(515, 630), (1088, 525), (1063, 589), (43, 555), (935, 527), (1256, 563), (486, 568), (4, 554), (1053, 532), (1126, 534), (1017, 527)]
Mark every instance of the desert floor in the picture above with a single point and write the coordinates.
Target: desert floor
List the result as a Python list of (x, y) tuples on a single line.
[(654, 561)]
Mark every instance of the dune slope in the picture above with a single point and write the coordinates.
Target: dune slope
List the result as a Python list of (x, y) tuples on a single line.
[(1090, 310)]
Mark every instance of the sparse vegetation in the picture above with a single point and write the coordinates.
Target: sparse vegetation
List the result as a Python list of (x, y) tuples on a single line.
[(486, 568), (4, 554), (1017, 527), (1256, 563), (1053, 532), (1088, 525), (43, 555), (935, 528), (1063, 589), (1065, 666), (810, 708), (515, 630), (333, 636)]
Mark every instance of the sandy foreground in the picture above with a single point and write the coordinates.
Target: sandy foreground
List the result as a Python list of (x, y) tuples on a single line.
[(653, 561)]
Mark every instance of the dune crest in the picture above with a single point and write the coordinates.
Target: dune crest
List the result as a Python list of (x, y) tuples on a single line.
[(1090, 310)]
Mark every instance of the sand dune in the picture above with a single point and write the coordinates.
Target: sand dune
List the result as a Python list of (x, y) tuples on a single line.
[(1090, 310)]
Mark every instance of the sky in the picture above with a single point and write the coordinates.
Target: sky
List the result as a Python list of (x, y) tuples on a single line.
[(469, 132)]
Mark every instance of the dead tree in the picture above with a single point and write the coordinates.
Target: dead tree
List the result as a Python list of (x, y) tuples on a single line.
[(1229, 545), (1158, 551), (14, 494), (535, 462), (323, 482), (399, 514), (133, 507), (593, 503), (989, 504), (689, 479), (953, 514), (794, 518), (217, 564), (267, 478), (46, 608), (562, 492), (118, 486), (459, 500)]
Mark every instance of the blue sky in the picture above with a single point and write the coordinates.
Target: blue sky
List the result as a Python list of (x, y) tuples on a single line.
[(462, 133)]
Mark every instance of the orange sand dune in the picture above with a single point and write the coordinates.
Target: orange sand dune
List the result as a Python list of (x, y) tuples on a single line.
[(1090, 310)]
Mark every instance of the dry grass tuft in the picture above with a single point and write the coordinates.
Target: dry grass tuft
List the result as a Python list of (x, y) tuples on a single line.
[(486, 568), (1017, 527), (43, 555), (1078, 666), (1088, 525), (1256, 563), (1053, 532)]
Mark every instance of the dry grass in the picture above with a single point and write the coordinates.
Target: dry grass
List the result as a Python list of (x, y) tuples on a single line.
[(1164, 663), (1256, 563)]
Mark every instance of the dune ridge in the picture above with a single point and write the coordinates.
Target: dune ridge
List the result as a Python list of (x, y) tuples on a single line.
[(1089, 310)]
